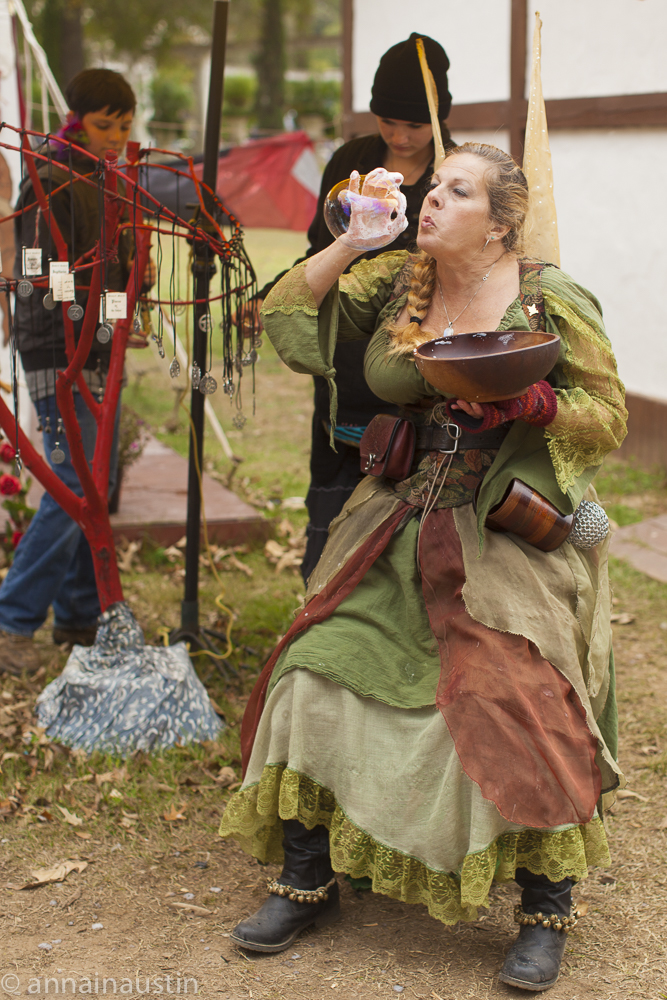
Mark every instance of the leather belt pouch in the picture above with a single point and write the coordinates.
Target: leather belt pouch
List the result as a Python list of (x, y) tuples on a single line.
[(387, 447)]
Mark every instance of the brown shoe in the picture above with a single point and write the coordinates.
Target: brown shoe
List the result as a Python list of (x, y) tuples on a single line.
[(74, 636), (17, 654)]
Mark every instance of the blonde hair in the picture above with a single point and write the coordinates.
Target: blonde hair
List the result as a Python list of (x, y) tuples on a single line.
[(508, 206)]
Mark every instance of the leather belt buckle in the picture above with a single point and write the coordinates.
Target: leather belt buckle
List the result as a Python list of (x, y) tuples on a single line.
[(451, 426)]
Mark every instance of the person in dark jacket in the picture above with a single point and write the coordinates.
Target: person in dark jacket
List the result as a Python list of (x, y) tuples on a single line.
[(53, 565), (405, 145)]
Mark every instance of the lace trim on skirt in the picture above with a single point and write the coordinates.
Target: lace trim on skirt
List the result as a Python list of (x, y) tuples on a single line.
[(253, 818)]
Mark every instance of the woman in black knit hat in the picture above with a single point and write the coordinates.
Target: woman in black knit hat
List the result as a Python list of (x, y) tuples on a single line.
[(404, 145)]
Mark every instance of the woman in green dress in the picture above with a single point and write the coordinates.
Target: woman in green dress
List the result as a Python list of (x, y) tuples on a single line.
[(441, 714)]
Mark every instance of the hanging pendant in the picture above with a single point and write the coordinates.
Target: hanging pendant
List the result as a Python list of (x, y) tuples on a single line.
[(136, 325), (160, 347), (24, 289), (207, 385), (250, 358), (205, 324), (448, 332), (104, 333), (75, 312), (239, 421), (195, 375), (174, 368), (57, 455), (228, 387), (48, 301)]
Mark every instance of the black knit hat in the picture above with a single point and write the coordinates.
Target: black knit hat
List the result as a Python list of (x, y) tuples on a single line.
[(398, 88)]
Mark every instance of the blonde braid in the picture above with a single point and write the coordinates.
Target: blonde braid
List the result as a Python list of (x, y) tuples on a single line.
[(422, 287)]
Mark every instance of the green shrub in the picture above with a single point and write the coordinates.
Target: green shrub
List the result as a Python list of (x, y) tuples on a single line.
[(314, 97), (239, 96)]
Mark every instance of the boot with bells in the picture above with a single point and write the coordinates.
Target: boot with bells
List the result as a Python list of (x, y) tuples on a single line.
[(305, 894), (533, 962)]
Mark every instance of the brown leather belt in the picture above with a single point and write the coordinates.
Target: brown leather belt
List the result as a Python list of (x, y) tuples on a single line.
[(440, 439)]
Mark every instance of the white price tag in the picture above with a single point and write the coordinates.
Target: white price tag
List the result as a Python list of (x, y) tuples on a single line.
[(32, 261), (116, 305), (57, 267), (62, 287)]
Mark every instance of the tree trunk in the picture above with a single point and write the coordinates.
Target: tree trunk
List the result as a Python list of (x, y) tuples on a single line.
[(61, 35), (72, 59), (270, 103)]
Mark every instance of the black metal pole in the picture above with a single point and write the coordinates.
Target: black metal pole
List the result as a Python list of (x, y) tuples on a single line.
[(203, 269)]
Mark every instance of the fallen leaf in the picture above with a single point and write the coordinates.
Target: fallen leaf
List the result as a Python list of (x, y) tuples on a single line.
[(607, 879), (9, 756), (174, 814), (82, 835), (128, 824), (125, 557), (622, 618), (71, 899), (226, 776), (70, 817), (582, 908), (625, 793), (128, 815), (43, 876), (237, 564), (49, 757), (74, 781), (111, 777), (200, 911)]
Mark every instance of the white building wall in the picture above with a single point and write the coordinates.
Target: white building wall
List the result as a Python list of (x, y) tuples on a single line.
[(592, 48), (609, 185), (479, 58)]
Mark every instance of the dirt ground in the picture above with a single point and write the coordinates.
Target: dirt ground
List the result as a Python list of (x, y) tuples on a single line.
[(380, 947)]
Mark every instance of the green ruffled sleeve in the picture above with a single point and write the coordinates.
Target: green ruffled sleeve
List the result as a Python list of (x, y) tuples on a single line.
[(591, 419), (560, 461), (305, 337)]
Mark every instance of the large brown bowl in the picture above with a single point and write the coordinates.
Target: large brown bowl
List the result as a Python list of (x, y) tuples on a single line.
[(482, 367)]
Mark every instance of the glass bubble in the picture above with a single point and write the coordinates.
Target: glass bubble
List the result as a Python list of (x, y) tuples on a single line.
[(379, 210)]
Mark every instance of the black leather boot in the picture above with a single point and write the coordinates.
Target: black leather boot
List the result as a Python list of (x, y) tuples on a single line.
[(283, 916), (533, 961)]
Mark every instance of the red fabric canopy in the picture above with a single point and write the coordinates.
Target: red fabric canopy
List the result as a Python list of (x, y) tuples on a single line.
[(271, 183)]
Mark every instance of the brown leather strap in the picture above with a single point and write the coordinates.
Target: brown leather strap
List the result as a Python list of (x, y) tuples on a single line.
[(439, 439)]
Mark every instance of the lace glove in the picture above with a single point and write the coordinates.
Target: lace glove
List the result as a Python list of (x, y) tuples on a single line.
[(538, 406), (377, 211)]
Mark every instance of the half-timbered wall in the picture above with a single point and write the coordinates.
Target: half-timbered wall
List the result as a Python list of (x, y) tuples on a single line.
[(604, 75)]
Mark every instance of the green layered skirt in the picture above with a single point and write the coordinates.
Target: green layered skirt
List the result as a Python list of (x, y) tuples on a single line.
[(350, 737)]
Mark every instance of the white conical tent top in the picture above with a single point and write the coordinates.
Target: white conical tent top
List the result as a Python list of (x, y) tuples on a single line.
[(432, 98), (542, 227)]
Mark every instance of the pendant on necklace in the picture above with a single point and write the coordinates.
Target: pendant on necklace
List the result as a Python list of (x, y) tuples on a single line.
[(448, 332)]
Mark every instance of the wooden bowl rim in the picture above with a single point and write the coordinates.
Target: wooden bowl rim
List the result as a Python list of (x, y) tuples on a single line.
[(554, 338)]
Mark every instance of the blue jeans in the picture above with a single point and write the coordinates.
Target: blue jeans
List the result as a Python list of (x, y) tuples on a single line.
[(53, 564)]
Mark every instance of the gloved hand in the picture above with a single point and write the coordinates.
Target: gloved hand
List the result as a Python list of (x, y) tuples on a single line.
[(377, 212), (538, 406)]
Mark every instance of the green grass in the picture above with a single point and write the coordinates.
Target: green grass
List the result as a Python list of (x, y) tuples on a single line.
[(622, 514), (623, 478)]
